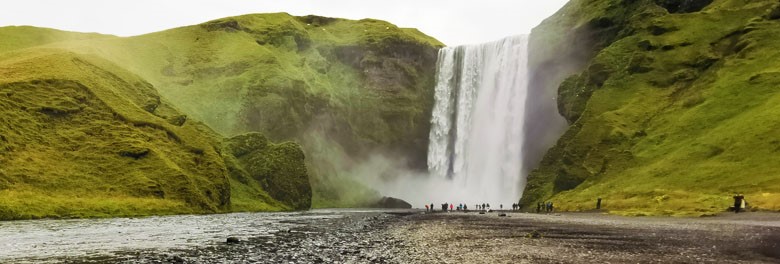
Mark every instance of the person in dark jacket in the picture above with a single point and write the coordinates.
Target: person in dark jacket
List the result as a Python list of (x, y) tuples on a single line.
[(738, 198)]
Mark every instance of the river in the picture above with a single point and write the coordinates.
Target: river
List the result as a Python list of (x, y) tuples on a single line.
[(311, 236)]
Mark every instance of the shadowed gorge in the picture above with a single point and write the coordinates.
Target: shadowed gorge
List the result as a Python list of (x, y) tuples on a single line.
[(672, 112)]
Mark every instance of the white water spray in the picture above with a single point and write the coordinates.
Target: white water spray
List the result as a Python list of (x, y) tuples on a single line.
[(477, 122), (476, 135)]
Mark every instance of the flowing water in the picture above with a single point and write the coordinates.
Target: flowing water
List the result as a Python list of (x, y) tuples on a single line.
[(476, 134), (301, 237)]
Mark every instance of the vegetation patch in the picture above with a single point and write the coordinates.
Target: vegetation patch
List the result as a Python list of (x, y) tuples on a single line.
[(680, 120)]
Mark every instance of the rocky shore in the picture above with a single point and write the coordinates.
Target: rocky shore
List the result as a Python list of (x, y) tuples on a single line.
[(413, 236), (589, 238)]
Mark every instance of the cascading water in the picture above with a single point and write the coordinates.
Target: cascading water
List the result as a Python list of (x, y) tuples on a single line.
[(477, 122)]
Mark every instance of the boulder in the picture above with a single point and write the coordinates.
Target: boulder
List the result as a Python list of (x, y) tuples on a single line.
[(390, 202)]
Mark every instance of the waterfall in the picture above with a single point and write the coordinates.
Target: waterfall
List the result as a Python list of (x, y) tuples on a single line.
[(477, 122)]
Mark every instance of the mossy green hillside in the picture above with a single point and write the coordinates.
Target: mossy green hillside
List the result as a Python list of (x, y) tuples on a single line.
[(19, 37), (362, 86), (80, 137), (675, 111)]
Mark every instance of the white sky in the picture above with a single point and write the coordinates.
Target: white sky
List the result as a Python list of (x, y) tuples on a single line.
[(453, 22)]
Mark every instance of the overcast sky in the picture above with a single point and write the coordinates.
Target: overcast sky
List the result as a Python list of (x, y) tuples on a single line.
[(453, 22)]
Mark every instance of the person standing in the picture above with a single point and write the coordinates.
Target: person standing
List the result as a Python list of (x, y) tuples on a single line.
[(426, 208), (738, 198), (598, 204)]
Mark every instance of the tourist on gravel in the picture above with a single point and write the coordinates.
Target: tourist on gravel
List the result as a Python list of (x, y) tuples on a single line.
[(451, 207), (431, 207), (739, 200), (426, 208), (538, 207)]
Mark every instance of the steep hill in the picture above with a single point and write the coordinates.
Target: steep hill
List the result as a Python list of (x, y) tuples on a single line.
[(673, 106), (81, 137), (344, 89)]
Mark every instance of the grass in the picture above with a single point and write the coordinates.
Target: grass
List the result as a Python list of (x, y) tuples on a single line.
[(696, 124), (95, 125), (83, 138), (364, 84)]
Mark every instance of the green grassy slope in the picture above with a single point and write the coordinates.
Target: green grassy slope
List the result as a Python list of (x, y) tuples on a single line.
[(80, 137), (675, 111), (341, 88), (19, 37)]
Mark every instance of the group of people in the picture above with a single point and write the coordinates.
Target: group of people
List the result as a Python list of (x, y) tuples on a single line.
[(547, 206), (447, 206), (739, 205), (483, 207), (464, 207)]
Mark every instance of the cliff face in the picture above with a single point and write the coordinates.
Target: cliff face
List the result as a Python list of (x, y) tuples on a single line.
[(671, 106), (341, 88)]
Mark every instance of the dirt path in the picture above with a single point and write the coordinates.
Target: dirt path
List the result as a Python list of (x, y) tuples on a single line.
[(588, 238)]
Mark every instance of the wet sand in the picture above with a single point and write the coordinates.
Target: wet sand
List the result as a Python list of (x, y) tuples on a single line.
[(402, 236)]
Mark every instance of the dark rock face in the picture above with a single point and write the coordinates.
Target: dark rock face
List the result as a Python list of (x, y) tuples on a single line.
[(390, 202), (224, 25), (683, 6)]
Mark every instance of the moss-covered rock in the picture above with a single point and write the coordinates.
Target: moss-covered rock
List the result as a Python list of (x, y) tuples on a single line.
[(664, 117), (278, 168)]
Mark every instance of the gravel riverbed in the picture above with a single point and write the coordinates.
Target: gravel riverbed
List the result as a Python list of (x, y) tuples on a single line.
[(400, 236)]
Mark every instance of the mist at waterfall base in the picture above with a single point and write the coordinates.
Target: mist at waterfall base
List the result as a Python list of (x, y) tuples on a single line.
[(476, 135)]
